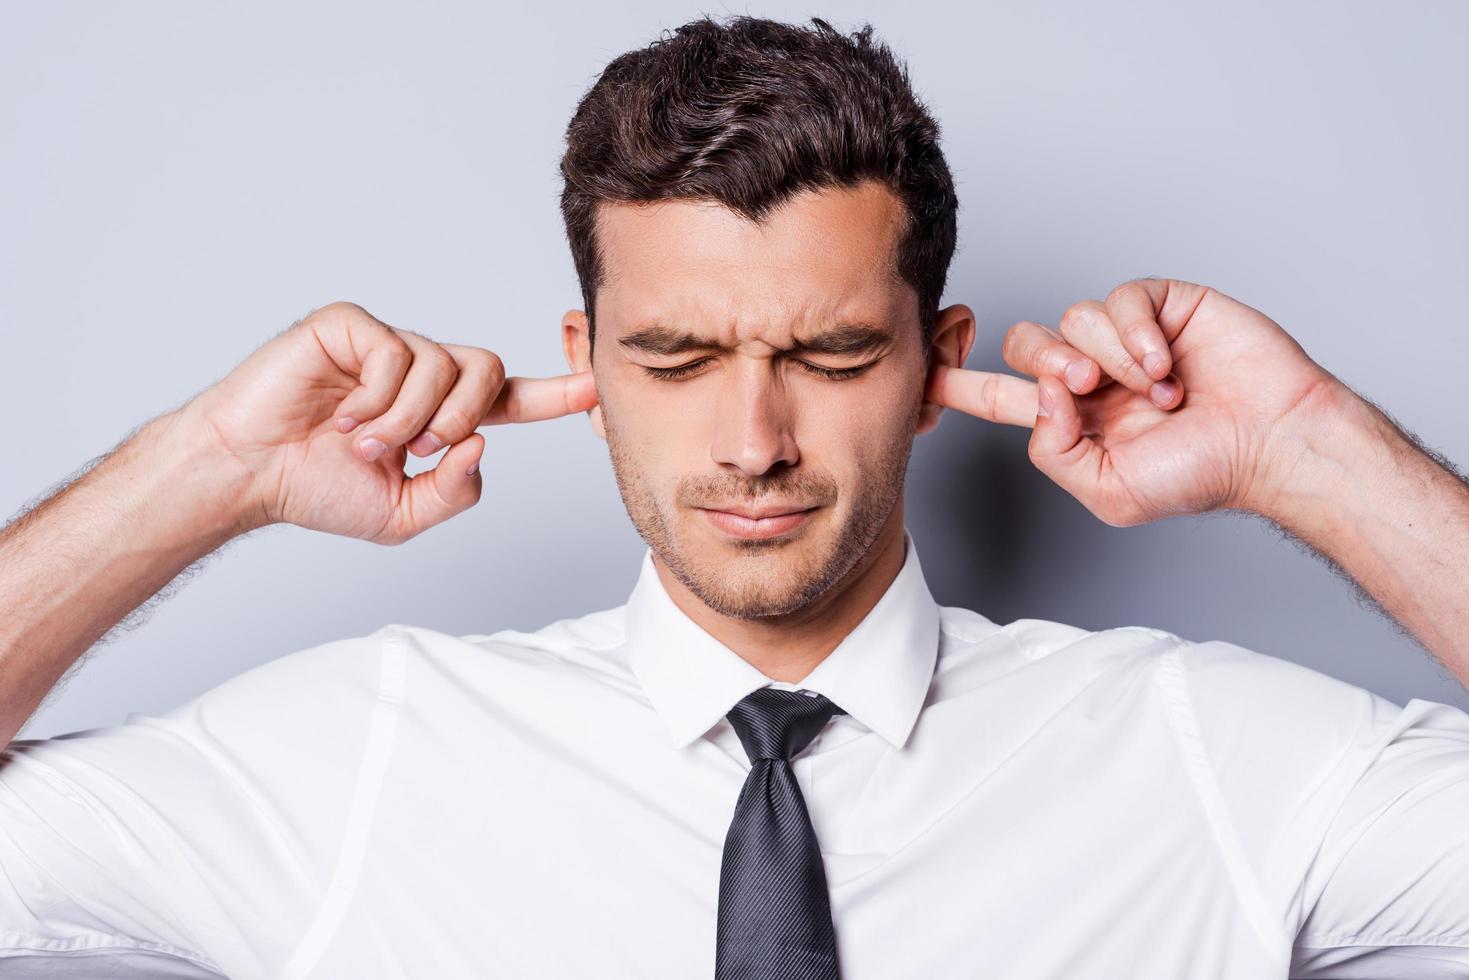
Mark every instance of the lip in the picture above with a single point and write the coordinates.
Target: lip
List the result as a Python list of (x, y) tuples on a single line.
[(772, 523), (757, 513)]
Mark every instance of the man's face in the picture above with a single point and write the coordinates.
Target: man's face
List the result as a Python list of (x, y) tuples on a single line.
[(751, 425)]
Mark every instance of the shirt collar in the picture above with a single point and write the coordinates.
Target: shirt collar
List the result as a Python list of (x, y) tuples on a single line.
[(879, 673)]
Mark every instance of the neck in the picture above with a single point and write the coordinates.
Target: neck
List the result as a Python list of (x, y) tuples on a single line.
[(789, 648)]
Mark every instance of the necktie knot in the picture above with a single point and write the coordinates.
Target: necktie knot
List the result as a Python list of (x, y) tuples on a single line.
[(777, 724)]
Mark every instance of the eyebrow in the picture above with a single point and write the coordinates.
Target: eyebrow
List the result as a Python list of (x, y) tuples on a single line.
[(846, 340)]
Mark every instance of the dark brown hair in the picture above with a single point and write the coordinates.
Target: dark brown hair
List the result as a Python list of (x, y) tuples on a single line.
[(748, 113)]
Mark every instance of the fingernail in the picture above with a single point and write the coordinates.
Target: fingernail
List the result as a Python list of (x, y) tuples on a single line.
[(426, 442), (1153, 363), (346, 424), (1045, 399), (372, 449), (1162, 392), (1076, 373), (473, 469)]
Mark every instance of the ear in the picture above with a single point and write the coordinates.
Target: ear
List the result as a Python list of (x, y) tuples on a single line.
[(953, 336), (576, 340)]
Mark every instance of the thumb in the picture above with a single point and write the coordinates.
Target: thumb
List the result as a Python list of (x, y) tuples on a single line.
[(1057, 447), (450, 488)]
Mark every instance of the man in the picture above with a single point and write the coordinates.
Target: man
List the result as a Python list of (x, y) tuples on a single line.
[(780, 758)]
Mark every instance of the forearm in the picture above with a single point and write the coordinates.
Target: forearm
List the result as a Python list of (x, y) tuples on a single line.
[(75, 565), (1362, 493)]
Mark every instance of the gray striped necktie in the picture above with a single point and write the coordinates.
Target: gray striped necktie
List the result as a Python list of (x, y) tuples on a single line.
[(774, 914)]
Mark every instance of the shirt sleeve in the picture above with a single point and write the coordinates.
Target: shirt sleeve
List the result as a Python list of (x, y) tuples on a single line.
[(1388, 891), (1350, 811), (196, 843)]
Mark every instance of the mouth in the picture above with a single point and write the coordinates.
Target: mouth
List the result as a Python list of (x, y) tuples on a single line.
[(759, 513), (755, 523)]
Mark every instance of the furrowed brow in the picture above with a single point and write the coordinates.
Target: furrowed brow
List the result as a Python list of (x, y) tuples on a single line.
[(846, 340)]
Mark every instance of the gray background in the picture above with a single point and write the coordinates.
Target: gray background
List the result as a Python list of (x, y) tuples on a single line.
[(179, 181)]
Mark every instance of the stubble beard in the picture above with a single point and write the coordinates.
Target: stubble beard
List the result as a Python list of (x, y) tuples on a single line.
[(764, 593)]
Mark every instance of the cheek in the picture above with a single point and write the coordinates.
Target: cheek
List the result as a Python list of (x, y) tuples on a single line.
[(846, 445), (859, 412), (863, 439), (646, 434)]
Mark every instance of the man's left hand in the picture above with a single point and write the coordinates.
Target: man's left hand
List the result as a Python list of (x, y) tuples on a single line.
[(1237, 381)]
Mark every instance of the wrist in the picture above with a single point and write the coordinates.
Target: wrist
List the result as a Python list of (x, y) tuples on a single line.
[(1320, 467), (210, 490)]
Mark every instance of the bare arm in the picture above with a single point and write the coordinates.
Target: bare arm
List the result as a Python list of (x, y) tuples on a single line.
[(313, 429), (72, 567), (1265, 429), (1364, 495)]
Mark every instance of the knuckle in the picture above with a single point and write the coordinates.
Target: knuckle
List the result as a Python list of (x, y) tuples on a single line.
[(1077, 317), (345, 306), (397, 339), (393, 425), (339, 307), (495, 365), (340, 311), (1126, 370), (989, 396), (1122, 291), (1139, 337), (452, 425), (445, 369), (397, 349), (1010, 345), (395, 428), (490, 361)]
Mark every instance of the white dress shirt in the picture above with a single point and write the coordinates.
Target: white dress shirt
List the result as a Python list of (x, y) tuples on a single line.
[(1032, 800)]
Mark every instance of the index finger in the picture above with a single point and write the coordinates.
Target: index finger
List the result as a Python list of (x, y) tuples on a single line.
[(984, 394), (536, 399)]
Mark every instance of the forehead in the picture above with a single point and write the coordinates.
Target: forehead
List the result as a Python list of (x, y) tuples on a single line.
[(821, 255)]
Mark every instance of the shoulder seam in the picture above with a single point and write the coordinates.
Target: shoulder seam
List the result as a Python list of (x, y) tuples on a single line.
[(1179, 713), (376, 753)]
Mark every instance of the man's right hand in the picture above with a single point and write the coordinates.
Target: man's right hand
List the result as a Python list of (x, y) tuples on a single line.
[(279, 420)]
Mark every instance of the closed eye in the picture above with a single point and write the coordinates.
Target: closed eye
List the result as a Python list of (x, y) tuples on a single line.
[(832, 374)]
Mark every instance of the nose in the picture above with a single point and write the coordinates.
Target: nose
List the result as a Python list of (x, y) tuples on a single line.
[(753, 428)]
